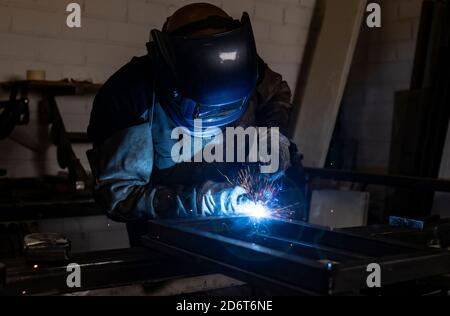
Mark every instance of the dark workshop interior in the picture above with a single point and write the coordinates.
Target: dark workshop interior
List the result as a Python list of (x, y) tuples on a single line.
[(352, 96)]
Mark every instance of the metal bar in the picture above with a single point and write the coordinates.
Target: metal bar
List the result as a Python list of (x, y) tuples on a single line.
[(299, 231), (414, 183), (307, 249), (66, 155), (100, 270), (271, 285), (267, 265), (56, 88), (227, 242), (26, 211), (316, 251)]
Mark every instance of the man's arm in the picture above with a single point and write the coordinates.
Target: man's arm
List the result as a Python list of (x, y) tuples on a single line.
[(122, 166), (122, 157), (273, 110), (274, 101)]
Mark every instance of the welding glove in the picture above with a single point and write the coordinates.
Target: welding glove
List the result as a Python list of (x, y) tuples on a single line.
[(220, 199), (278, 146), (284, 153), (179, 202)]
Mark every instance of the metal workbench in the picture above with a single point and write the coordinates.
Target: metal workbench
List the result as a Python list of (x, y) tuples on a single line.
[(171, 271), (135, 271), (295, 257)]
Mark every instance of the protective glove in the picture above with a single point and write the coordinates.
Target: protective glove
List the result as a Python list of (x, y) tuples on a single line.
[(177, 202), (220, 199), (283, 152), (164, 202)]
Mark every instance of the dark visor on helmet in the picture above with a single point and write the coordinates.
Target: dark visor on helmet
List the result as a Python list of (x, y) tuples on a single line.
[(215, 69)]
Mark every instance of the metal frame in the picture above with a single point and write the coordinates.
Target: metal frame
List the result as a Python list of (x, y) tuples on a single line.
[(103, 269), (414, 183), (294, 256), (49, 90)]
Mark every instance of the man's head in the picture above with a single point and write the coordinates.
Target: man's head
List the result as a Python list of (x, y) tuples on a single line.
[(194, 13), (208, 66)]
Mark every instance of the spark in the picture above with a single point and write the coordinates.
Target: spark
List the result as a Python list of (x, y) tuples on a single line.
[(261, 200), (260, 189), (261, 192)]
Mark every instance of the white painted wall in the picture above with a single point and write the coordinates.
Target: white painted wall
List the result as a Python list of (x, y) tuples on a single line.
[(33, 35), (383, 65)]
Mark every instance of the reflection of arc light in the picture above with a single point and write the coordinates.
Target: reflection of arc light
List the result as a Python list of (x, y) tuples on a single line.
[(228, 56)]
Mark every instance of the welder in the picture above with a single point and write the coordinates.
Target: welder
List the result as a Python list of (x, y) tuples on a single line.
[(203, 64)]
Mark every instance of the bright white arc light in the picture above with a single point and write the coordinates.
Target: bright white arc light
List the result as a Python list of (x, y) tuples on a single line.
[(231, 56), (256, 210)]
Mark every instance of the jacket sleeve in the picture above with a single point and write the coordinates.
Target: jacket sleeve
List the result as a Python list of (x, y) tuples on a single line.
[(274, 101), (122, 166)]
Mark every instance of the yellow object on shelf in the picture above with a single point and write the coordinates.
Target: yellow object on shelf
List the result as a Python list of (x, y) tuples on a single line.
[(36, 75)]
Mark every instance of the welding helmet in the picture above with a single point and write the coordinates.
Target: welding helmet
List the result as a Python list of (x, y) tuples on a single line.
[(209, 77)]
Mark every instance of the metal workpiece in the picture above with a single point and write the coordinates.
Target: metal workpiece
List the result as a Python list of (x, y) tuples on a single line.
[(294, 256), (399, 181), (137, 268), (46, 248)]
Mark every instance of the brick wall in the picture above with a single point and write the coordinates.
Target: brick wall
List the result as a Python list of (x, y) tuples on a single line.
[(33, 35), (383, 64)]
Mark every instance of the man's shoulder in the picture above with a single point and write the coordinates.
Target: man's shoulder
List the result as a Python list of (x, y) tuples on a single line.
[(131, 76), (123, 99)]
